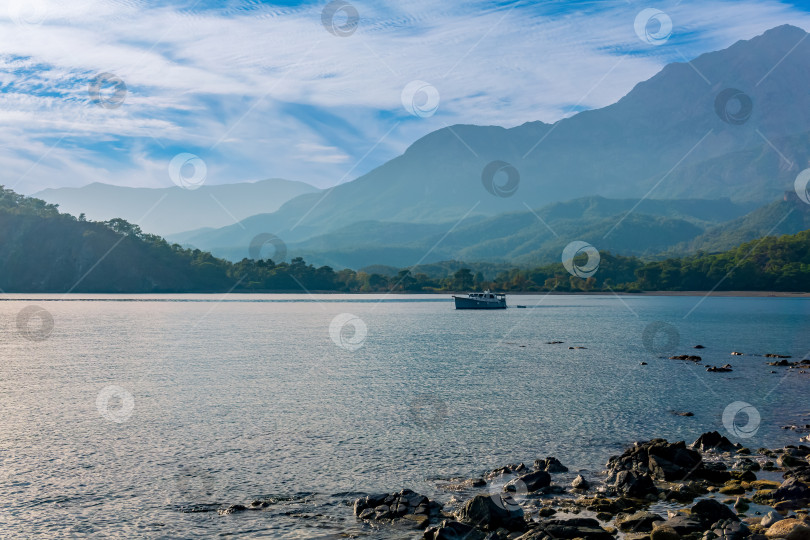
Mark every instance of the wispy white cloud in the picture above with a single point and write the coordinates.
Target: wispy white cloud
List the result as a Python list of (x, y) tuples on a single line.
[(265, 91)]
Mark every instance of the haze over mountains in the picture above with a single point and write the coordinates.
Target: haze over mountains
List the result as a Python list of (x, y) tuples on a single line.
[(172, 210), (731, 128)]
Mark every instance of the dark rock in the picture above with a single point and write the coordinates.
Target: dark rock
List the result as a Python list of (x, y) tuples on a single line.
[(787, 460), (791, 489), (713, 441), (580, 483), (638, 522), (453, 530), (714, 472), (636, 485), (550, 464), (698, 347), (233, 509), (730, 530), (664, 460), (664, 532), (683, 525), (710, 511), (532, 482), (568, 529), (490, 512), (746, 464)]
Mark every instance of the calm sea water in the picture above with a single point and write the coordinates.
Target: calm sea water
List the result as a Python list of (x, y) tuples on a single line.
[(135, 410)]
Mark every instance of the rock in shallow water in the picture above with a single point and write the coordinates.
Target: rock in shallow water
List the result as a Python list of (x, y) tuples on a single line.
[(489, 512), (529, 482), (713, 442), (580, 483), (710, 511)]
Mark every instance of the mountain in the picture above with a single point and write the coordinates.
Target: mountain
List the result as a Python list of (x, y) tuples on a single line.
[(778, 218), (530, 237), (668, 137), (174, 210)]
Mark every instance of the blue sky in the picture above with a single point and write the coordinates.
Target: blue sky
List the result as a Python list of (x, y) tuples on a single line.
[(263, 89)]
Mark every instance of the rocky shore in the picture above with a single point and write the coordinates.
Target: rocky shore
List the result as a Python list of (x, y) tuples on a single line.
[(655, 490)]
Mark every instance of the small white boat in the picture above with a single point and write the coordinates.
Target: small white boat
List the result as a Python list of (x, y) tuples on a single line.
[(484, 300)]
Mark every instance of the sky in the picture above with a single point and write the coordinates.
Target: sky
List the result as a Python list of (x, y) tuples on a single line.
[(114, 91)]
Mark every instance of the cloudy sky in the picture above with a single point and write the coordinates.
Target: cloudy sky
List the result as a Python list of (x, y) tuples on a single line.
[(112, 90)]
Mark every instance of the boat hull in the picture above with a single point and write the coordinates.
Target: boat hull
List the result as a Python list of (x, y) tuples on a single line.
[(471, 303)]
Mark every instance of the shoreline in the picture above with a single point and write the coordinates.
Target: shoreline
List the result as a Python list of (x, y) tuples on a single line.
[(724, 294), (712, 489)]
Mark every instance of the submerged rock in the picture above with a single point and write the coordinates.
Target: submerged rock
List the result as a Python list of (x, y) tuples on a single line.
[(405, 504)]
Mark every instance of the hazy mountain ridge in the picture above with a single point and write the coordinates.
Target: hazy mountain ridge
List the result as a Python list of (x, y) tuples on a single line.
[(173, 210), (620, 151)]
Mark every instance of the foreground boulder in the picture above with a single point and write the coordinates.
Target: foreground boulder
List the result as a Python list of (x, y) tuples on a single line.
[(490, 512), (709, 511), (453, 530), (529, 482), (406, 504), (790, 490), (550, 464), (681, 524), (659, 458), (635, 485), (713, 442), (568, 529), (638, 522), (789, 529)]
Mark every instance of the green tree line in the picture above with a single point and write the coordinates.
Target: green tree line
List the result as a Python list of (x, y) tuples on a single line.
[(43, 250)]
